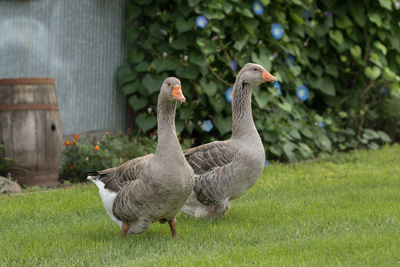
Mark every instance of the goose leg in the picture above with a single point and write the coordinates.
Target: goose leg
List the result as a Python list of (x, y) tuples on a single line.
[(172, 225), (125, 228), (210, 211)]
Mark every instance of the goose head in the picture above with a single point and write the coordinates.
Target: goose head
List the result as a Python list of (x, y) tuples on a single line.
[(171, 89), (255, 74)]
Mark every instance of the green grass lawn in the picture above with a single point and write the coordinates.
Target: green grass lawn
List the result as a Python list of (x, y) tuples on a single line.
[(343, 210)]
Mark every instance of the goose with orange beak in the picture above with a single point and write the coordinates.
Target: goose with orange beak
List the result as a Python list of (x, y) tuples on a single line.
[(224, 170), (153, 187)]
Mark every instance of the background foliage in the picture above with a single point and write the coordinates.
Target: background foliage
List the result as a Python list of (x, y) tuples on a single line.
[(346, 54), (110, 151)]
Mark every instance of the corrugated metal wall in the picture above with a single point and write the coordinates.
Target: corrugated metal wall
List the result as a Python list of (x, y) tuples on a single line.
[(80, 44)]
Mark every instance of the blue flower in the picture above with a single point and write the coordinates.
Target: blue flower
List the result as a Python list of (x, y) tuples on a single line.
[(307, 14), (277, 31), (277, 85), (290, 61), (258, 9), (163, 32), (228, 94), (266, 163), (321, 124), (302, 92), (383, 90), (273, 56), (329, 13), (233, 65), (201, 22), (207, 126)]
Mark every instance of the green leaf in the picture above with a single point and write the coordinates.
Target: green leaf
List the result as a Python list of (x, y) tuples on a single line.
[(261, 99), (296, 18), (337, 36), (197, 59), (384, 137), (131, 34), (372, 72), (373, 146), (332, 70), (135, 56), (296, 70), (193, 3), (189, 72), (209, 88), (245, 12), (132, 11), (265, 2), (137, 103), (152, 82), (325, 85), (239, 44), (146, 122), (142, 66), (358, 12), (381, 47), (276, 150), (180, 43), (343, 22), (227, 7), (184, 25), (370, 134), (248, 27), (224, 125), (285, 106), (306, 132), (166, 64), (295, 134), (130, 88), (386, 4), (323, 142), (179, 126), (125, 74), (355, 51), (375, 18), (143, 2), (288, 148)]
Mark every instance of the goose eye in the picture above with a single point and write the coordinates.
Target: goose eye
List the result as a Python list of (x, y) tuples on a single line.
[(255, 69), (169, 84)]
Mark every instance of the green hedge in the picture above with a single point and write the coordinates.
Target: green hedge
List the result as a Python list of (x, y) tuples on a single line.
[(335, 61)]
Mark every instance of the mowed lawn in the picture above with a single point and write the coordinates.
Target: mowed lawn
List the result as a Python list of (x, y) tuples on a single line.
[(343, 210)]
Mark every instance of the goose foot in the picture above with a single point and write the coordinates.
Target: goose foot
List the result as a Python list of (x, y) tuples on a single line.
[(172, 225), (125, 228)]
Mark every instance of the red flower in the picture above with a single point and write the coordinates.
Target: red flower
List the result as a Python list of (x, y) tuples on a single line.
[(107, 133), (76, 136), (96, 147), (71, 167), (67, 143), (74, 141)]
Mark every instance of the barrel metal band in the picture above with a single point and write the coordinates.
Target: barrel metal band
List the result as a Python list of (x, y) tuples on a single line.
[(8, 107), (28, 81)]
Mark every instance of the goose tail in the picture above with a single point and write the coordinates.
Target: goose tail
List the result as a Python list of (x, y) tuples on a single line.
[(92, 176)]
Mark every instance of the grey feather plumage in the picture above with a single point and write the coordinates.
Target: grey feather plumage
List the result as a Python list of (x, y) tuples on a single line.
[(224, 170), (153, 187)]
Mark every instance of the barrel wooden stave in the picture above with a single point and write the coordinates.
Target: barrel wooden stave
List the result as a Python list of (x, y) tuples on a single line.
[(34, 136)]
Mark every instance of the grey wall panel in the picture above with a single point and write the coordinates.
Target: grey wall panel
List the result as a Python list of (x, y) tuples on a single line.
[(80, 44)]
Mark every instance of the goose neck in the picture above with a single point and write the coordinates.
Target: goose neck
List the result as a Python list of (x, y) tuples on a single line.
[(242, 118)]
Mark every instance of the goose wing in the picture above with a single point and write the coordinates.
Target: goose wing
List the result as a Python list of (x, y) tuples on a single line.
[(211, 164), (115, 179), (208, 157)]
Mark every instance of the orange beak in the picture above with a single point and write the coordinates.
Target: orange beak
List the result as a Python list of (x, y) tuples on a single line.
[(267, 77), (177, 93)]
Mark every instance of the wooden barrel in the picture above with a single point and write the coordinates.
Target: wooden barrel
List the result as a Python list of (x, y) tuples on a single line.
[(30, 128)]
